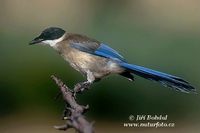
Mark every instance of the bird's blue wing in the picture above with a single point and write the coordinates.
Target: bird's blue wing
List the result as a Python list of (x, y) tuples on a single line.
[(103, 51), (106, 51)]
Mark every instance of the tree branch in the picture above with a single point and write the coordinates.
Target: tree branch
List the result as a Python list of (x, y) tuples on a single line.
[(73, 113)]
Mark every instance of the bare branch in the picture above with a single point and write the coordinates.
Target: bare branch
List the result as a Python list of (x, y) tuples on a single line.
[(73, 113)]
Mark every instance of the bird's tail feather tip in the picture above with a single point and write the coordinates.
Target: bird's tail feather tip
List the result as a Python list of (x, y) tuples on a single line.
[(191, 90), (166, 80), (179, 87)]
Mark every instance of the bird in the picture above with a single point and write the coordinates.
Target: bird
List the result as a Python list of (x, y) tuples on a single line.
[(96, 60)]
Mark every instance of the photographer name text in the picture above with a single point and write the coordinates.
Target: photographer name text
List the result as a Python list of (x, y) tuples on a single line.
[(151, 117)]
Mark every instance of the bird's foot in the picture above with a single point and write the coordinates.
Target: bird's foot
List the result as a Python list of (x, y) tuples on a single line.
[(80, 87)]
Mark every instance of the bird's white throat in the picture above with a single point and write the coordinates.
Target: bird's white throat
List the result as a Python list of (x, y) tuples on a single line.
[(53, 43)]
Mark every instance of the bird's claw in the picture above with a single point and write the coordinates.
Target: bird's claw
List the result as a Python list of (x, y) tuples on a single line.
[(74, 94), (80, 87)]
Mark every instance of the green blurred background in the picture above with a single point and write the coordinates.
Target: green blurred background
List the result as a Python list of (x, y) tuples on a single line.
[(162, 35)]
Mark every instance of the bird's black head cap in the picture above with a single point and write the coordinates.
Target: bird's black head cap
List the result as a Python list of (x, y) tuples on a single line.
[(51, 33)]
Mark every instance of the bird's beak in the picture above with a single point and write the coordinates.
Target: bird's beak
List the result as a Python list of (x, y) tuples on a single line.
[(36, 40)]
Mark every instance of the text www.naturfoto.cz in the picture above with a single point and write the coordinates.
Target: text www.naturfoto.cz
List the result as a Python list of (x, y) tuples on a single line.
[(149, 124)]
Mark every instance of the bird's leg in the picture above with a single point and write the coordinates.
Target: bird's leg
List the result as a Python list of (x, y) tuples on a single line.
[(80, 87)]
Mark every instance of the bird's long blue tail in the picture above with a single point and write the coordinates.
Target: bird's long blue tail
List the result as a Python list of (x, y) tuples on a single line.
[(165, 79)]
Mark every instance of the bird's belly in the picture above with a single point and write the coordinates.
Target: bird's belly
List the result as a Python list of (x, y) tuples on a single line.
[(84, 62)]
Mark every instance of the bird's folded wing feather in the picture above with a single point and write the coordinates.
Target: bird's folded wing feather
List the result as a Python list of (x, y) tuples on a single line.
[(102, 50)]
